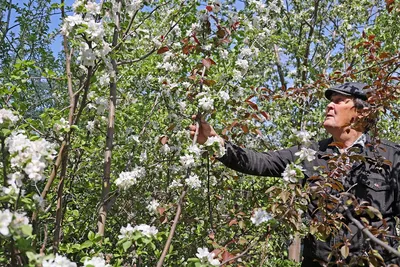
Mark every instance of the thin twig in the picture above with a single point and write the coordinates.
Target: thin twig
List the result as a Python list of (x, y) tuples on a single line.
[(184, 191), (369, 234)]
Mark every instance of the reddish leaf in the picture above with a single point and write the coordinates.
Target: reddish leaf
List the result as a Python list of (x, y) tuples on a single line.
[(276, 97), (185, 40), (252, 104), (233, 124), (256, 117), (163, 219), (186, 49), (161, 210), (226, 256), (389, 5), (162, 50), (232, 222), (209, 8), (207, 62), (245, 128), (209, 82), (250, 97), (340, 145), (371, 37), (265, 115)]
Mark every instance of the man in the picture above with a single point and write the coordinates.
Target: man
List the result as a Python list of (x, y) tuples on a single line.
[(374, 180)]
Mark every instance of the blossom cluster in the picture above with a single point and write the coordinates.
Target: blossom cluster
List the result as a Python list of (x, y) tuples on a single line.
[(28, 156), (193, 181), (7, 115), (260, 216), (86, 19), (12, 220), (215, 142), (292, 173), (145, 229), (96, 262), (128, 179), (62, 125), (153, 205), (206, 257), (58, 261)]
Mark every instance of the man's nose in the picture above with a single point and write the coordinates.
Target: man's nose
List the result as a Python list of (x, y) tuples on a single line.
[(330, 106)]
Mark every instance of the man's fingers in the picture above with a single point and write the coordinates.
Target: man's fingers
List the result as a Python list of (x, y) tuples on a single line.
[(199, 117)]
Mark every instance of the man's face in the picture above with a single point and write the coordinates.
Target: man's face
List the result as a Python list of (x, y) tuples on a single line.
[(340, 112)]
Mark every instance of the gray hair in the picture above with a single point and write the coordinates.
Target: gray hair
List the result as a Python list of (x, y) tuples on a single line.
[(369, 120)]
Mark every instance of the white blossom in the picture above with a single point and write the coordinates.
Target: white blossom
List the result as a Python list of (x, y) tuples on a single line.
[(87, 56), (242, 63), (146, 230), (128, 179), (7, 115), (126, 231), (193, 181), (216, 141), (93, 8), (165, 149), (29, 156), (216, 6), (102, 105), (224, 95), (237, 75), (77, 4), (246, 52), (5, 220), (90, 126), (195, 150), (187, 161), (15, 180), (206, 103), (175, 184), (207, 257), (153, 205), (304, 137), (260, 216), (306, 154), (133, 5), (58, 261), (223, 54), (96, 262), (20, 220), (63, 125), (292, 173)]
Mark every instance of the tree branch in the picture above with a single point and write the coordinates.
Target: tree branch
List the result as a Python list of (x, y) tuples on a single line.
[(369, 234)]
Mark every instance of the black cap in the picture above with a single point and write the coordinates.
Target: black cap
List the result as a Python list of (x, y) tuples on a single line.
[(350, 88)]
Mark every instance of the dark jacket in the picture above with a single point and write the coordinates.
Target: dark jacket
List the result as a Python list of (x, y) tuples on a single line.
[(372, 180)]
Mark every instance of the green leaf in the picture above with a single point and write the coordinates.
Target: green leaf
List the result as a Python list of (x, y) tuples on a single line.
[(26, 229), (86, 244), (91, 235), (127, 245)]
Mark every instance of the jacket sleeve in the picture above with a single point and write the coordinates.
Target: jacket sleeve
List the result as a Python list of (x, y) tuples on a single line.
[(271, 163)]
